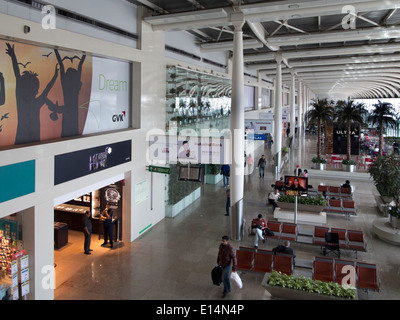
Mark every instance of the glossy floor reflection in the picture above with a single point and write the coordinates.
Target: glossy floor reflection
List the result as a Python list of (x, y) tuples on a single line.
[(173, 260)]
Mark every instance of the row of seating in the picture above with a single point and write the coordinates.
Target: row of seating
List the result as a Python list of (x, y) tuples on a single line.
[(331, 270), (347, 239), (263, 261), (281, 230), (346, 207), (335, 191), (324, 269)]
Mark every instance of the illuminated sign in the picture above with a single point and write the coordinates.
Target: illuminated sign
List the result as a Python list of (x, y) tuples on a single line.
[(73, 165)]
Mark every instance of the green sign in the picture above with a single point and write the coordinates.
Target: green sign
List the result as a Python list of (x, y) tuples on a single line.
[(160, 169)]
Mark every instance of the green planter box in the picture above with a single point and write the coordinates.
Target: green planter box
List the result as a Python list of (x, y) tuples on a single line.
[(293, 294), (300, 207)]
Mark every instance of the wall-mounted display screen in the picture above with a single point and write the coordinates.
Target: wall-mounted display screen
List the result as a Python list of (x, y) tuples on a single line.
[(189, 173)]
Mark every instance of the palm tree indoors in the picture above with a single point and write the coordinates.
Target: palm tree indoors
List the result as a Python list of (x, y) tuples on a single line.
[(321, 113), (383, 115), (349, 112)]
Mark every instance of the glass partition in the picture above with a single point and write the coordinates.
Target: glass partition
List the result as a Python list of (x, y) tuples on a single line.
[(195, 101)]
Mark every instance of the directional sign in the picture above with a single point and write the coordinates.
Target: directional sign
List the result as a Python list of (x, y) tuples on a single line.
[(256, 136), (160, 169)]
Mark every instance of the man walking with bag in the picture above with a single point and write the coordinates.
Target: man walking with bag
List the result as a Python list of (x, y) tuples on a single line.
[(226, 258)]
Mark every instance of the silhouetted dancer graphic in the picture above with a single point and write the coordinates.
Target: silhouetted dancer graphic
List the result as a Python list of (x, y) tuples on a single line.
[(2, 90), (28, 105), (71, 85)]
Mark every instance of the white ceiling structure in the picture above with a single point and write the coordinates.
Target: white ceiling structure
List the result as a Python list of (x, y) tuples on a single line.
[(338, 48)]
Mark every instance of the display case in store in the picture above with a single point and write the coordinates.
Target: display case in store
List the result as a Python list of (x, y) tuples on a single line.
[(69, 215)]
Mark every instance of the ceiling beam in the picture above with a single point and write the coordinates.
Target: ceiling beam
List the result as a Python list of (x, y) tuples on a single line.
[(325, 52), (336, 36), (262, 12)]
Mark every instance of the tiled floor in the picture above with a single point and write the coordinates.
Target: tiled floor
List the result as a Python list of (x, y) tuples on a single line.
[(173, 260)]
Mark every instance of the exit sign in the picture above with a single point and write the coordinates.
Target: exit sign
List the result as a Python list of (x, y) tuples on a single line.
[(160, 170)]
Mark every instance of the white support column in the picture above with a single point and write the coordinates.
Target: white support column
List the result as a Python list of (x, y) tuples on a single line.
[(278, 112), (273, 93), (237, 129), (299, 108), (304, 112), (292, 105), (258, 92)]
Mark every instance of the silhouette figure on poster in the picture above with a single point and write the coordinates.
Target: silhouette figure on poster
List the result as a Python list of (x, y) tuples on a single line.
[(28, 103), (2, 90), (71, 86)]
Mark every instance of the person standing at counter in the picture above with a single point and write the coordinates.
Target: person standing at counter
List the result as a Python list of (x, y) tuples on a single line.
[(87, 230), (107, 215)]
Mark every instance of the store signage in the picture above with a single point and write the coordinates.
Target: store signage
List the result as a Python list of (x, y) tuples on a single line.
[(19, 254), (17, 180), (340, 139), (159, 169), (73, 165)]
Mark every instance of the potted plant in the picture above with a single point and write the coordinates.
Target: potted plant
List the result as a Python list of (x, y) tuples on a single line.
[(212, 174), (385, 171), (319, 163), (308, 204), (394, 216), (349, 165), (285, 286)]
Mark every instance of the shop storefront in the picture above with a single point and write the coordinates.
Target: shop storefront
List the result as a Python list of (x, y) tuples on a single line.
[(69, 216), (14, 260)]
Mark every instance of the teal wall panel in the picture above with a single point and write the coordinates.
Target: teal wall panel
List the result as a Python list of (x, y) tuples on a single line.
[(17, 180)]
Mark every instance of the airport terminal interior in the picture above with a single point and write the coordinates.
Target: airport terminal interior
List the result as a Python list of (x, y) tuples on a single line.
[(174, 260), (121, 113)]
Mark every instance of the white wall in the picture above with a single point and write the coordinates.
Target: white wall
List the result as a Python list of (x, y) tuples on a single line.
[(186, 42), (148, 104), (122, 16), (117, 13)]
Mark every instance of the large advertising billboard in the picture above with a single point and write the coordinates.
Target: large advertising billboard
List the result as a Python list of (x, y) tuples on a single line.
[(188, 149), (48, 93)]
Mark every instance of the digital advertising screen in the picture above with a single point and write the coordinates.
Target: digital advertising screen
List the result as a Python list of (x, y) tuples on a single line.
[(296, 186)]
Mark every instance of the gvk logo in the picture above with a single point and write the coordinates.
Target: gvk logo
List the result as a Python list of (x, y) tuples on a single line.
[(119, 117)]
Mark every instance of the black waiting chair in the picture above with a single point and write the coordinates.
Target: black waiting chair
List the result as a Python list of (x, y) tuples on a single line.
[(332, 243)]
